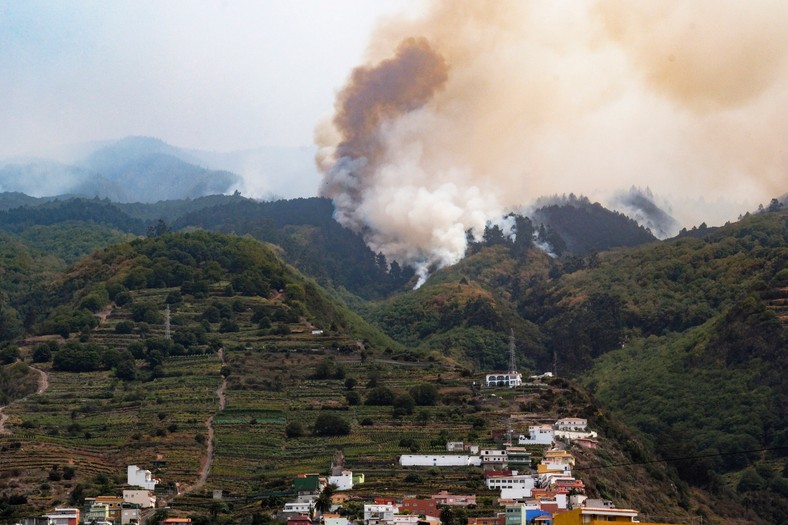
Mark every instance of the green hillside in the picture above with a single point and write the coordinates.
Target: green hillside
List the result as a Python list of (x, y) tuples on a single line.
[(244, 372), (685, 339)]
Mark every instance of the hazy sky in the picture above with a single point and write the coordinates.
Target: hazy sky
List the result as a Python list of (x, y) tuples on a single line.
[(539, 97), (210, 75)]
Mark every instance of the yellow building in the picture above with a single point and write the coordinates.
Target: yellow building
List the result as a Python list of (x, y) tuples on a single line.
[(562, 457), (597, 516), (114, 504), (556, 468)]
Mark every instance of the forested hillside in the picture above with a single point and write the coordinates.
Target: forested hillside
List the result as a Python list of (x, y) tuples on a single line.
[(585, 227), (681, 337), (685, 339), (312, 241)]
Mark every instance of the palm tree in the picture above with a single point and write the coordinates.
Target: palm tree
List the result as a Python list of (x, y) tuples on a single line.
[(323, 502)]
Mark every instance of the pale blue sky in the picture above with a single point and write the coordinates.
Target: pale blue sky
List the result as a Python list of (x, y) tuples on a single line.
[(198, 74)]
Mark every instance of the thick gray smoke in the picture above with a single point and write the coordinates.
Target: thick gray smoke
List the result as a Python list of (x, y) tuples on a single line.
[(481, 106)]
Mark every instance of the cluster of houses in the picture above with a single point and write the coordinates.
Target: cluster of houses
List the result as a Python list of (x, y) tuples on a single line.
[(109, 510), (308, 488), (546, 494), (531, 474), (523, 495), (571, 430)]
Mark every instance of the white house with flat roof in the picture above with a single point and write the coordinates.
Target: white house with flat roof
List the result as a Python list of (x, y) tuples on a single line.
[(507, 380), (439, 460), (342, 481), (538, 435), (138, 477), (379, 513), (144, 498)]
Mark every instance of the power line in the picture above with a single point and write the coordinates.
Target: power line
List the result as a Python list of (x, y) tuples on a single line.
[(685, 458)]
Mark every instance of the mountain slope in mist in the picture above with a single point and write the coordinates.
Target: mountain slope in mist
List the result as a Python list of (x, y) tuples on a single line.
[(43, 178), (135, 169)]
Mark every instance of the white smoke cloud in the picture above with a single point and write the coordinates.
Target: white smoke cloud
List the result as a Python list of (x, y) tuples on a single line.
[(502, 101)]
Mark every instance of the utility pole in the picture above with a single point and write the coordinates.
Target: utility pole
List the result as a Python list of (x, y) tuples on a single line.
[(167, 323), (512, 356)]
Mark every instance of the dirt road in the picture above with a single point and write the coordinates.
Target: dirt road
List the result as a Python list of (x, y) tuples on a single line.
[(43, 384)]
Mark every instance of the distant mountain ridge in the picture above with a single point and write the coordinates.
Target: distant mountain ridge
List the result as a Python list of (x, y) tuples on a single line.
[(134, 169), (147, 169)]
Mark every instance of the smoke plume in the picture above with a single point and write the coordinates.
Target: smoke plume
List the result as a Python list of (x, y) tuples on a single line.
[(640, 205), (478, 107)]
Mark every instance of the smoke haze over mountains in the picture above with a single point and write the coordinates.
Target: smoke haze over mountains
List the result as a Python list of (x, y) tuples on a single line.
[(500, 102)]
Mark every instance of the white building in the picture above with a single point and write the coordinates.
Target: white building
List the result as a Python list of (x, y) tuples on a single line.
[(560, 500), (455, 446), (538, 435), (339, 520), (144, 498), (129, 515), (546, 375), (519, 493), (63, 516), (405, 519), (572, 428), (379, 513), (298, 507), (510, 482), (439, 460), (343, 481), (512, 487), (571, 424), (138, 477), (493, 456), (508, 380)]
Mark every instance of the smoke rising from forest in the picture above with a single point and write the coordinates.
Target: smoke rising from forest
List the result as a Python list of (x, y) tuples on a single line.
[(478, 107)]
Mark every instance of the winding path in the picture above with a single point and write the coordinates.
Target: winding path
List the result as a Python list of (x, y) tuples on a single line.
[(43, 384), (206, 465), (206, 462)]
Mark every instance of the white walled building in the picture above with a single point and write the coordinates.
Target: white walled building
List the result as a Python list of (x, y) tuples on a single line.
[(455, 446), (493, 456), (439, 460), (379, 513), (508, 380), (63, 516), (518, 493), (298, 507), (405, 519), (129, 515), (335, 520), (560, 500), (538, 435), (572, 424), (138, 477), (144, 498), (343, 481), (510, 482)]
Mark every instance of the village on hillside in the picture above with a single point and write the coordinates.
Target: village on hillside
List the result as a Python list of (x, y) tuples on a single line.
[(528, 477)]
